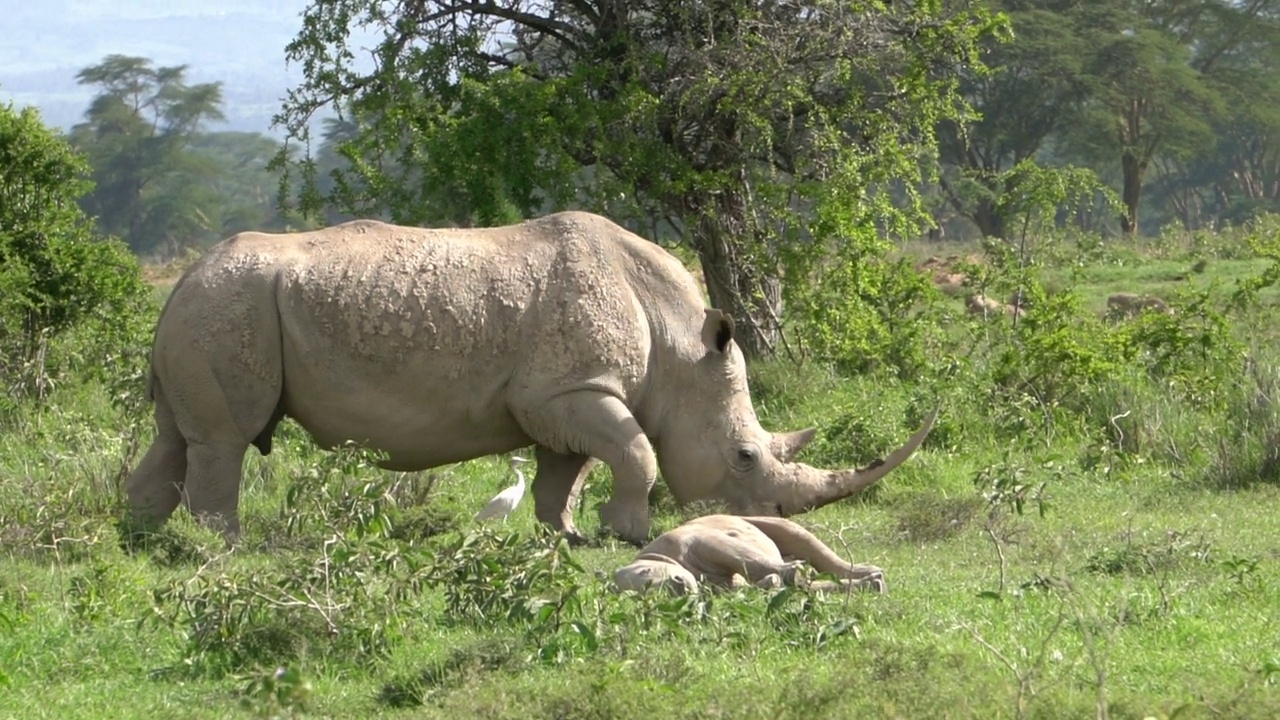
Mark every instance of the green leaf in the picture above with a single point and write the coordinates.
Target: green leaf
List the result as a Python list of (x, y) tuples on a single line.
[(779, 600), (588, 635)]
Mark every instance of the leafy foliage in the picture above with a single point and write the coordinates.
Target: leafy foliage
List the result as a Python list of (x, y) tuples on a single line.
[(766, 137), (162, 182), (1027, 98), (1168, 101), (335, 604), (55, 274)]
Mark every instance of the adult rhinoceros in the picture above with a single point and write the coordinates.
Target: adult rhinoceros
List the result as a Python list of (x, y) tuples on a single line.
[(436, 346)]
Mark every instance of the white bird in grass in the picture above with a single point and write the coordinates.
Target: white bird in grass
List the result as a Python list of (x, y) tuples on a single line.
[(504, 502)]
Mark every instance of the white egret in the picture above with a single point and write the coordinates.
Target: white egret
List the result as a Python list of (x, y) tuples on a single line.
[(504, 502)]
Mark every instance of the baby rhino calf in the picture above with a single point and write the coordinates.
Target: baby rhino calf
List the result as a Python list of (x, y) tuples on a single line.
[(730, 551)]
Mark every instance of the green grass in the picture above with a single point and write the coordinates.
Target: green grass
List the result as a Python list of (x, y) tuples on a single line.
[(1147, 586), (1166, 279)]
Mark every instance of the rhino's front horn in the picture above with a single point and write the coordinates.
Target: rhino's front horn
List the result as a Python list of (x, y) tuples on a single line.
[(840, 484)]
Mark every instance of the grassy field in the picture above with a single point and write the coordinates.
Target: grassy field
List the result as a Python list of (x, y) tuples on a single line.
[(1148, 587)]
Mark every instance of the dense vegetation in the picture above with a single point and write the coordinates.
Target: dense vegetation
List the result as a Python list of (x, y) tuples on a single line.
[(1089, 530), (777, 140)]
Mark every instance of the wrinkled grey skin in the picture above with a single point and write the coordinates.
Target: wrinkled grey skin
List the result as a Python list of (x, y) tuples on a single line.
[(727, 551), (568, 333)]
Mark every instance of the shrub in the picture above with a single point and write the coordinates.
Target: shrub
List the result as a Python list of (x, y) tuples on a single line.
[(55, 274)]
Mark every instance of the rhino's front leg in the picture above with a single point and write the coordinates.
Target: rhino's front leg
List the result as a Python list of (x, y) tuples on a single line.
[(556, 487), (593, 424)]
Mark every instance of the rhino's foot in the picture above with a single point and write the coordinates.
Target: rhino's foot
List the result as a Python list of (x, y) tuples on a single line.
[(606, 537), (875, 584), (858, 572), (575, 538), (628, 522), (772, 581), (871, 583), (135, 534)]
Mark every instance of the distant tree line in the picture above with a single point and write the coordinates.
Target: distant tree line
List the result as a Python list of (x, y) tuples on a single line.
[(1175, 105), (162, 180)]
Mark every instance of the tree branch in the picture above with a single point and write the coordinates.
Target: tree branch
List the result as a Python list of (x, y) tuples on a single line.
[(560, 30)]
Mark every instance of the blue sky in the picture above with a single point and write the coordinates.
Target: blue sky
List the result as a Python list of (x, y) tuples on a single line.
[(238, 42)]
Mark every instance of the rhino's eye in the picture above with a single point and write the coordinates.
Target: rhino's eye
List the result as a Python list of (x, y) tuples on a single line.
[(746, 457)]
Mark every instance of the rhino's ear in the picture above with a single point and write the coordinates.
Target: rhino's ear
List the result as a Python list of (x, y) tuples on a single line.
[(785, 446), (717, 330)]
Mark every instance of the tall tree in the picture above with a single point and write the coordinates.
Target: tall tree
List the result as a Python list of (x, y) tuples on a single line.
[(761, 129), (137, 132), (1154, 87), (239, 189), (1033, 90), (1238, 175)]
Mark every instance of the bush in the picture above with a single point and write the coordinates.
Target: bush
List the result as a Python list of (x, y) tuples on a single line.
[(55, 275)]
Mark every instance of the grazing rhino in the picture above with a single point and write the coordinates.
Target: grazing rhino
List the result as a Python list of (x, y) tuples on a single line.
[(437, 346), (728, 551)]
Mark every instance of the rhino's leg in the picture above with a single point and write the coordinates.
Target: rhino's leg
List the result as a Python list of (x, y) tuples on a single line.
[(597, 425), (772, 581), (219, 430), (213, 485), (793, 540), (219, 354), (154, 487), (556, 487)]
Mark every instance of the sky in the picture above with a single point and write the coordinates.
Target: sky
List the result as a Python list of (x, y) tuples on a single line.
[(238, 42)]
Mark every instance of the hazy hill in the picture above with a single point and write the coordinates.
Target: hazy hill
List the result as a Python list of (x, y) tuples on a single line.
[(239, 42)]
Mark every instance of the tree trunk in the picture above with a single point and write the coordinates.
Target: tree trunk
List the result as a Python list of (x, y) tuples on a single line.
[(989, 221), (982, 212), (1134, 170), (737, 284)]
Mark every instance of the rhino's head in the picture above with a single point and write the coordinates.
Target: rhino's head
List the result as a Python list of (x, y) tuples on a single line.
[(650, 571), (712, 447)]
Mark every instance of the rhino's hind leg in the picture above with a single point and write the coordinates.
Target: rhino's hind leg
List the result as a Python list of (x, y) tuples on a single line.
[(794, 541), (154, 487), (556, 488), (212, 488), (597, 425)]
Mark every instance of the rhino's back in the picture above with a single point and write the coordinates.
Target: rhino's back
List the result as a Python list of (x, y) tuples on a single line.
[(691, 544), (381, 292), (419, 336)]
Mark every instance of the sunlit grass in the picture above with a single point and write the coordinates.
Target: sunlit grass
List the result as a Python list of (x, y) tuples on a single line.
[(1146, 583)]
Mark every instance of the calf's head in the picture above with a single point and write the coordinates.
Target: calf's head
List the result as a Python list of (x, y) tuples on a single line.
[(650, 571)]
